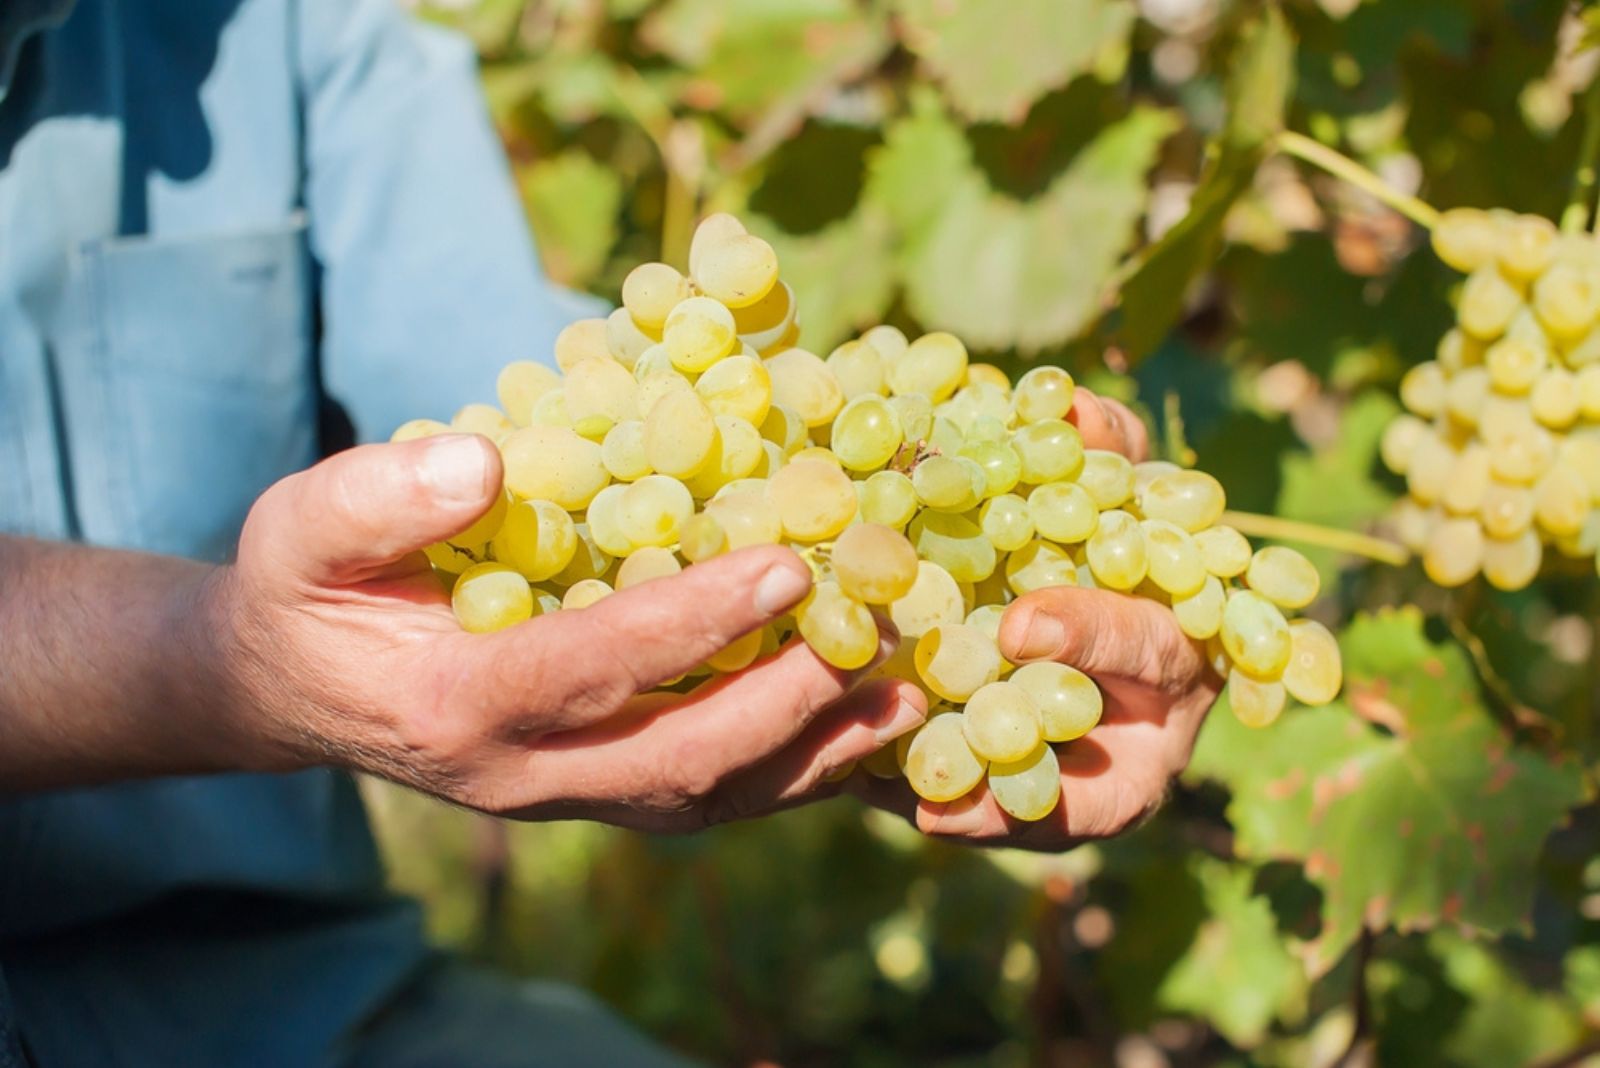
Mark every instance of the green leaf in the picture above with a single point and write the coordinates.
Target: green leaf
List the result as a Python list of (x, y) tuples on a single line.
[(1239, 974), (1407, 804), (994, 60), (999, 272), (572, 202), (1257, 92), (1506, 1020), (747, 58), (842, 275)]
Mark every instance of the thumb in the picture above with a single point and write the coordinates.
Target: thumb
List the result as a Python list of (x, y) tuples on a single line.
[(363, 509), (1099, 632)]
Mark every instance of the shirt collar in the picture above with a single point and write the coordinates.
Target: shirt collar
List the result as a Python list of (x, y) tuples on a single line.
[(18, 20)]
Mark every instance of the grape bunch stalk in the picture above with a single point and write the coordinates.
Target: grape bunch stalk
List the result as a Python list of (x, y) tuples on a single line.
[(919, 485), (1500, 443)]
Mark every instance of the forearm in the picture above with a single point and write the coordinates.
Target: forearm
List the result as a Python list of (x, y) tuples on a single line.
[(107, 669)]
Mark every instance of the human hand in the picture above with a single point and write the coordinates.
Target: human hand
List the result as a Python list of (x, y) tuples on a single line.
[(1108, 424), (1158, 687), (338, 645)]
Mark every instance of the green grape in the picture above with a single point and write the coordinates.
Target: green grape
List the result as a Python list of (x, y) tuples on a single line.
[(763, 324), (1561, 501), (1521, 455), (490, 597), (1466, 238), (1064, 512), (890, 342), (737, 654), (653, 510), (698, 332), (1256, 703), (625, 340), (1507, 510), (1458, 350), (1284, 577), (737, 386), (1050, 450), (1315, 669), (1069, 702), (803, 383), (874, 564), (784, 428), (550, 410), (657, 386), (867, 433), (939, 764), (1255, 634), (955, 543), (887, 498), (1515, 364), (1467, 395), (701, 538), (933, 365), (1191, 499), (1043, 393), (646, 564), (538, 539), (1430, 469), (815, 500), (713, 230), (1224, 551), (1587, 389), (1566, 300), (989, 429), (1514, 563), (1422, 390), (1116, 552), (946, 436), (916, 415), (837, 628), (955, 661), (1527, 245), (944, 484), (485, 527), (651, 291), (1007, 521), (554, 464), (447, 558), (623, 453), (1468, 482), (1030, 788), (1040, 565), (934, 599), (1488, 304), (680, 435), (747, 518), (1001, 466), (581, 340), (521, 383), (986, 617), (736, 271), (588, 559), (1174, 561), (737, 454), (1002, 722), (1554, 399), (1454, 553), (603, 518), (584, 593), (1199, 614), (859, 368)]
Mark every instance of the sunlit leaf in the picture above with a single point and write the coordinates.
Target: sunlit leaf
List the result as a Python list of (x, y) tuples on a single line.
[(842, 275), (572, 202)]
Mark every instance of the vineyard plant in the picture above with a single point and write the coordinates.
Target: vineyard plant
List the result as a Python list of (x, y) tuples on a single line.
[(1338, 255)]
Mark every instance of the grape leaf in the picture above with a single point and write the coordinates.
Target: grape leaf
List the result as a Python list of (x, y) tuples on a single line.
[(1239, 974), (1506, 1021), (1407, 803), (842, 275), (572, 202), (749, 57), (1004, 273), (994, 60), (1258, 86)]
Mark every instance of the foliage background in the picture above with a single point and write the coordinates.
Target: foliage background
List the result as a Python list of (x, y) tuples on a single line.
[(1408, 877)]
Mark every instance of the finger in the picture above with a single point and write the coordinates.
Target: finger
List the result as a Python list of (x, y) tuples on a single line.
[(864, 721), (586, 663), (1101, 633), (675, 759), (1135, 435), (1095, 421), (355, 513)]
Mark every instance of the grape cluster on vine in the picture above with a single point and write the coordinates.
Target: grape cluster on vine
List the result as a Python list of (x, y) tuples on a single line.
[(921, 487)]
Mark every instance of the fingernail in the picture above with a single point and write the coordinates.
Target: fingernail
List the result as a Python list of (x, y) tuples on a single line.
[(1043, 637), (780, 588), (906, 717), (455, 468)]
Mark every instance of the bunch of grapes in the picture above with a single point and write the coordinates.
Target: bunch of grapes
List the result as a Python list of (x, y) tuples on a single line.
[(919, 485), (1500, 446)]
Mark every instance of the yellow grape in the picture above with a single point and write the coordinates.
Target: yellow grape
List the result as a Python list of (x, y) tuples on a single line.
[(803, 383), (1284, 577), (934, 599), (538, 539), (1488, 304), (1070, 704), (1043, 393), (887, 498), (1199, 614), (1224, 551), (1064, 512), (739, 386), (746, 519), (837, 628), (1255, 634), (737, 271), (1192, 499), (1002, 722), (601, 387), (1256, 702), (739, 653), (626, 342), (866, 433), (1466, 238), (955, 543), (623, 453), (1030, 788), (554, 464), (859, 368), (654, 509), (1040, 565), (1174, 560), (646, 564), (1513, 563), (1454, 553), (584, 593), (698, 333), (1050, 450), (520, 384), (763, 324), (933, 365), (1117, 553), (490, 597), (815, 500), (680, 435), (1007, 521), (1315, 668), (651, 291), (939, 764), (874, 564), (581, 340), (955, 660)]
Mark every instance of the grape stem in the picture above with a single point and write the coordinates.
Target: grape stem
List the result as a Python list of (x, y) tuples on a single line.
[(1576, 218), (1343, 167), (1346, 541)]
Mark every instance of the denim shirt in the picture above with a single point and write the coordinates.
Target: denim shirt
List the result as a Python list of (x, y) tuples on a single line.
[(215, 217)]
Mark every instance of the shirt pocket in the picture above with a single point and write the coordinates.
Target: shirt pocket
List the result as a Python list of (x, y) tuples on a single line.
[(204, 347)]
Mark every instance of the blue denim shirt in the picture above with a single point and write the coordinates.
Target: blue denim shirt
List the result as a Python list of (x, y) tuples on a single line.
[(215, 215)]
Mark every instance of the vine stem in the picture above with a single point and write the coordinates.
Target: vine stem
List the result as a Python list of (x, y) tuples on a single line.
[(1346, 541), (1341, 166), (1576, 218)]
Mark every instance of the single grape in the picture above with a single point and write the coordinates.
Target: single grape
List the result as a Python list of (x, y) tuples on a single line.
[(653, 510), (538, 539), (553, 464), (737, 271), (1466, 238), (1488, 304), (1514, 563), (859, 368), (1191, 499), (737, 386), (955, 543), (1069, 702), (702, 538), (1469, 481), (746, 518), (955, 660), (837, 628), (1117, 553), (1043, 393), (1040, 565), (803, 383), (1255, 634), (736, 455), (651, 291), (1561, 501), (680, 435), (581, 340), (1515, 364), (1007, 521), (1030, 788), (815, 500), (625, 341), (1315, 670), (1001, 466), (939, 764), (1284, 577), (485, 527), (1199, 615), (1175, 564), (887, 498), (584, 593), (646, 564), (1002, 722), (1527, 245), (713, 230), (1255, 703), (520, 384), (1423, 389), (764, 324), (1454, 553), (490, 597), (737, 654), (1050, 450), (1225, 552), (623, 453), (1507, 510), (866, 433), (933, 365), (1064, 512), (874, 564), (698, 332)]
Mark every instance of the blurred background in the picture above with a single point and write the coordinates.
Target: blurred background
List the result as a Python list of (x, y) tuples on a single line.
[(1092, 182)]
